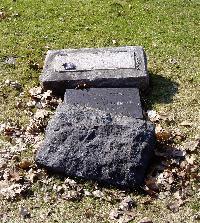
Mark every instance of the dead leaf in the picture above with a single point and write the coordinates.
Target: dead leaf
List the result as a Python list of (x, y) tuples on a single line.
[(35, 91), (24, 212), (115, 214), (192, 146), (32, 176), (25, 164), (2, 15), (153, 115), (163, 136), (41, 114), (145, 220), (88, 213), (87, 193), (34, 66), (98, 194), (47, 95), (186, 124), (31, 104), (15, 177), (70, 182), (151, 183), (72, 195), (174, 206), (190, 159), (178, 135), (126, 204)]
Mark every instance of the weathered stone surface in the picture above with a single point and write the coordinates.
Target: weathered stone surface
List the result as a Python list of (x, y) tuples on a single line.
[(124, 101), (102, 67), (93, 144)]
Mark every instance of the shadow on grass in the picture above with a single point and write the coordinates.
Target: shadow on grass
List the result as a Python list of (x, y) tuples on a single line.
[(162, 90)]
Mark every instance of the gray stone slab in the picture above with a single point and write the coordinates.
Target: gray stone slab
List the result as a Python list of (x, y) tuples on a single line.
[(123, 101), (89, 143), (101, 67)]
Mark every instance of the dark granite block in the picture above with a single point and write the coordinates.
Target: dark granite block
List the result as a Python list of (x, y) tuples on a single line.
[(122, 101)]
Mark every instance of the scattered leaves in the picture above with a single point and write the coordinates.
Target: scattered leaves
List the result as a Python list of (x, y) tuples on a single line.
[(13, 191), (35, 92), (175, 167)]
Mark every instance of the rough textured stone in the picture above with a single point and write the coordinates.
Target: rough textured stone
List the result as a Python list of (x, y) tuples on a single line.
[(93, 144), (102, 67), (125, 101)]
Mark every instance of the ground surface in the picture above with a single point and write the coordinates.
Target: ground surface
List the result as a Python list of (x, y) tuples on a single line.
[(170, 34)]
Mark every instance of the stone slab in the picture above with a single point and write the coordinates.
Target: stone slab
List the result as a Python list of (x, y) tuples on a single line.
[(95, 67), (93, 144), (123, 101)]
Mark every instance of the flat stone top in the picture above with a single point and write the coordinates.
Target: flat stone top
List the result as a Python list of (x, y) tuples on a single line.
[(120, 101), (102, 67), (102, 60)]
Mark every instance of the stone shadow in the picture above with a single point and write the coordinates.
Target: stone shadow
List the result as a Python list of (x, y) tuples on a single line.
[(161, 91)]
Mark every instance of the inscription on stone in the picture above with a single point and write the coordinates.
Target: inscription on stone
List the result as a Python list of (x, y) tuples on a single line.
[(95, 61)]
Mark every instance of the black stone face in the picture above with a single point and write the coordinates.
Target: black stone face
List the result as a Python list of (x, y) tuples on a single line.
[(122, 101)]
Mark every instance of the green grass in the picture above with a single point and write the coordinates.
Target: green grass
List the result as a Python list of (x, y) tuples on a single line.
[(168, 30)]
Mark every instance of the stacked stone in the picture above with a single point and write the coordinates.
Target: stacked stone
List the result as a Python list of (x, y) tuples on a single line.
[(98, 132)]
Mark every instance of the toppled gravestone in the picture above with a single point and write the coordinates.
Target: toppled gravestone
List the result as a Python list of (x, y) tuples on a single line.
[(99, 133), (101, 67)]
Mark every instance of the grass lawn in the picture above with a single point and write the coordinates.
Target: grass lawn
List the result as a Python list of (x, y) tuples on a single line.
[(170, 33)]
